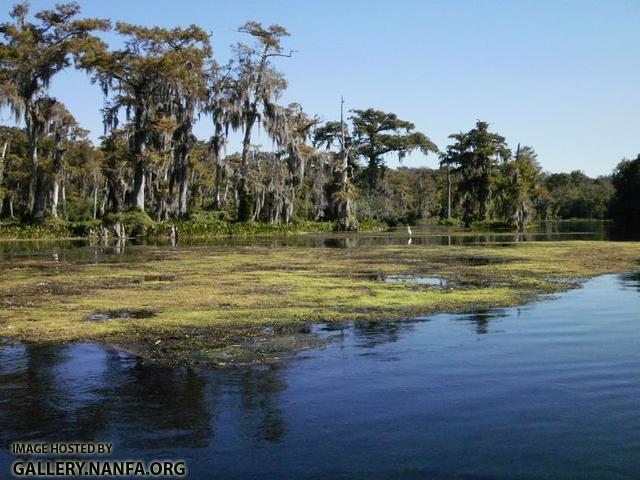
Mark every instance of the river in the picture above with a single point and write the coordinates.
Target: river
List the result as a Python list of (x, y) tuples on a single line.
[(547, 390)]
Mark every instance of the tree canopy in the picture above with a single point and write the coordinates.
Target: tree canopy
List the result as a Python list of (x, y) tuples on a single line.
[(149, 163), (378, 133)]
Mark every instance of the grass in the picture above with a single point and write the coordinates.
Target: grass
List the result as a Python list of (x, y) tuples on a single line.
[(233, 292)]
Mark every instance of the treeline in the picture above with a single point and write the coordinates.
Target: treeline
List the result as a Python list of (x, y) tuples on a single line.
[(160, 81)]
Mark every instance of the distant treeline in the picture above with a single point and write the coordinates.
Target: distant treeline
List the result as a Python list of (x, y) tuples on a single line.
[(160, 81)]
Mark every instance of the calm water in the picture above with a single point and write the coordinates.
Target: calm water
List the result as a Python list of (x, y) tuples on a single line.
[(545, 391), (82, 250)]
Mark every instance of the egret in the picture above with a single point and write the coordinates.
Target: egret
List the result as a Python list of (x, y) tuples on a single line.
[(409, 230)]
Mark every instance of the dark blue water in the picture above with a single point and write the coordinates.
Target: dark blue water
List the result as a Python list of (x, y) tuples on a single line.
[(546, 391)]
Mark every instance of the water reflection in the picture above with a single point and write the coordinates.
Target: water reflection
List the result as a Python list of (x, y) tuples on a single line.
[(160, 408), (259, 391), (138, 250), (482, 318), (552, 393), (87, 392), (374, 333), (631, 280)]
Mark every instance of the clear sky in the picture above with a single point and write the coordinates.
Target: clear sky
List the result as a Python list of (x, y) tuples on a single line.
[(561, 76)]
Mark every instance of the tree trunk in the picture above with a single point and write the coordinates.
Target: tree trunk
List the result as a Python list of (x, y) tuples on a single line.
[(36, 193), (57, 175), (105, 197), (39, 196), (55, 190), (32, 138), (3, 155), (182, 198), (113, 193), (64, 196), (95, 200), (6, 207), (139, 176), (180, 175), (448, 191), (219, 177), (244, 205), (139, 182), (346, 218)]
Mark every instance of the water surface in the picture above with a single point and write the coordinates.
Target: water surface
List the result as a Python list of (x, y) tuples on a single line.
[(544, 391), (132, 250)]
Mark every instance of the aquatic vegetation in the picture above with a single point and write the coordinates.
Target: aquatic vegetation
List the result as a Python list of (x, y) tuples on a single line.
[(231, 293), (138, 224)]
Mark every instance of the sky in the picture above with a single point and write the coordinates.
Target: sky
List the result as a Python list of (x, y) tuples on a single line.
[(562, 76)]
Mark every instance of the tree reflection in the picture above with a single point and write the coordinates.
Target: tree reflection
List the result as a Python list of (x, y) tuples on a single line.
[(259, 398), (160, 407), (482, 318), (89, 393), (25, 369), (632, 280), (377, 332)]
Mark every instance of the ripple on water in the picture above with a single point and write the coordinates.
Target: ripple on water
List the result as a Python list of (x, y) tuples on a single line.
[(549, 390)]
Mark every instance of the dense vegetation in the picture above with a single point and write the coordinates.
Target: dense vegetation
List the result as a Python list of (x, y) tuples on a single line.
[(625, 207), (150, 169)]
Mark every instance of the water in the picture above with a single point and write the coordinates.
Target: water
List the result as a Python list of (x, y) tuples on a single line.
[(131, 251), (544, 391), (431, 281)]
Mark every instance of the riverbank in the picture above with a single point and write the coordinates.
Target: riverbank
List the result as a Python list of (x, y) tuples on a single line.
[(139, 225), (204, 304)]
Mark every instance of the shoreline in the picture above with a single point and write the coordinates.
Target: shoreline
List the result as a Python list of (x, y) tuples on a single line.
[(222, 305), (213, 348)]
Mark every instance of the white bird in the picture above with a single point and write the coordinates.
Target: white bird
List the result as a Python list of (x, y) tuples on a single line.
[(409, 230)]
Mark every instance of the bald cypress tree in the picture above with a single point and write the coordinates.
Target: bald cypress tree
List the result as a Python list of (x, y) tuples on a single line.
[(156, 78), (476, 155), (341, 191), (247, 96), (32, 53), (378, 133)]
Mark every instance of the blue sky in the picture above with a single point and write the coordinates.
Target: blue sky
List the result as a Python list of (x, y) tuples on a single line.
[(561, 76)]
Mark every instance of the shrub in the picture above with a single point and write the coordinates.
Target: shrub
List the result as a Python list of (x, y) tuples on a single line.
[(50, 228), (135, 221), (491, 225), (451, 222), (86, 228)]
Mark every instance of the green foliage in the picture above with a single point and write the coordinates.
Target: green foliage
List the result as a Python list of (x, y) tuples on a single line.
[(209, 216), (85, 228), (31, 54), (136, 222), (372, 226), (79, 211), (379, 209), (625, 205), (574, 195), (377, 133), (475, 156), (162, 78), (491, 225), (517, 189), (215, 227), (451, 222), (50, 228)]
